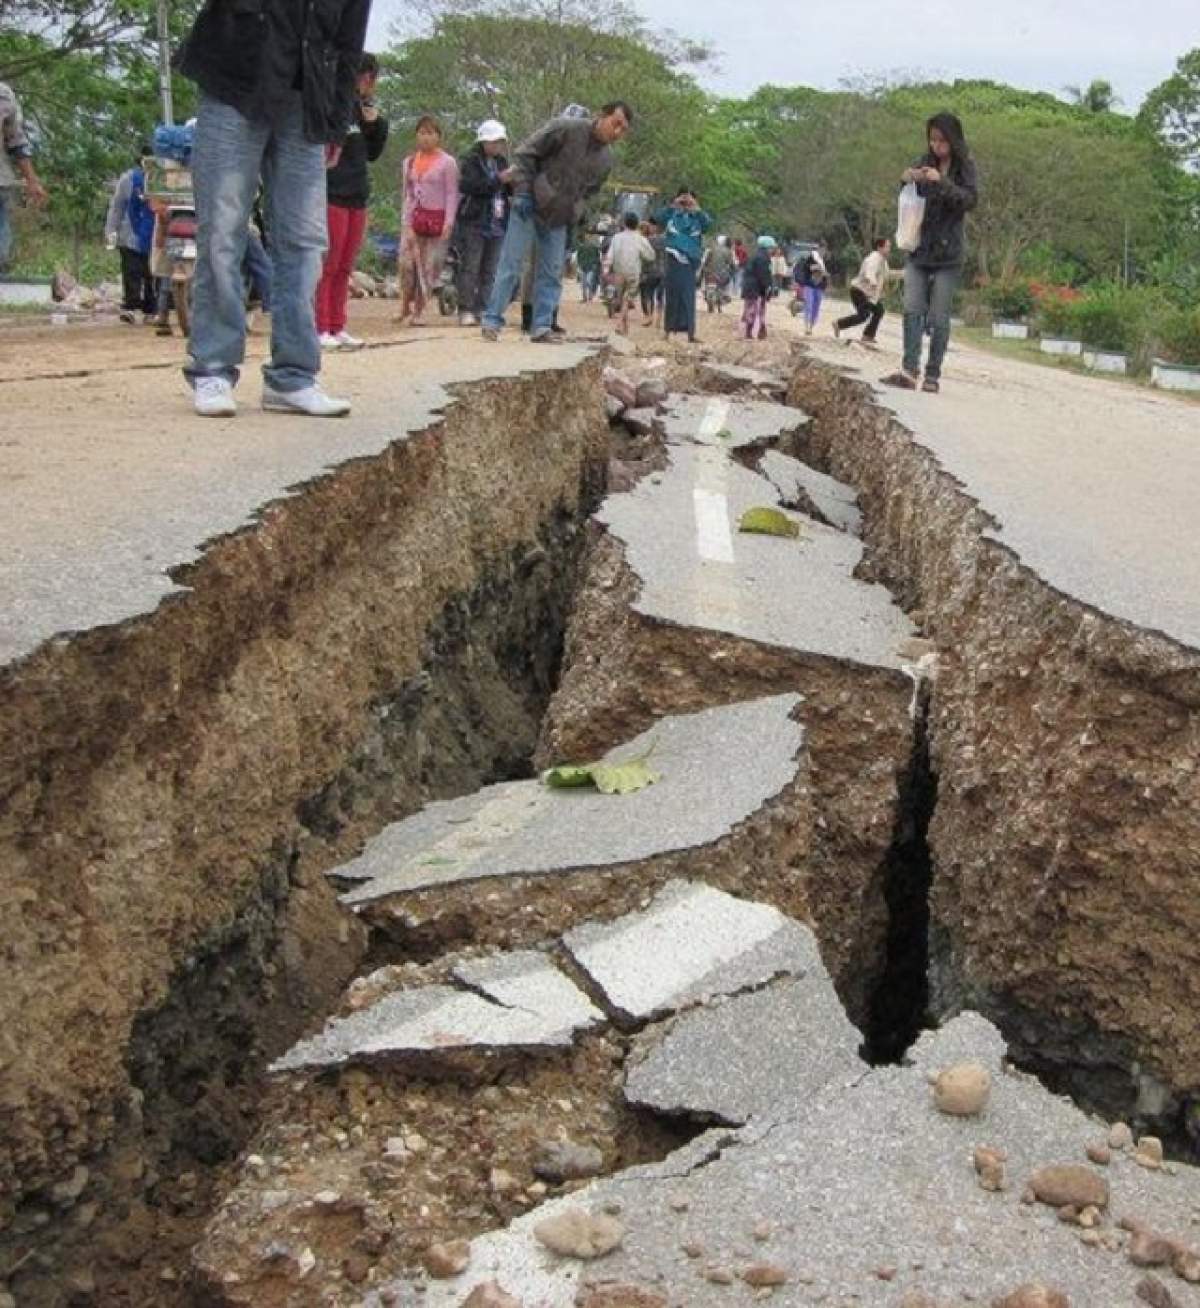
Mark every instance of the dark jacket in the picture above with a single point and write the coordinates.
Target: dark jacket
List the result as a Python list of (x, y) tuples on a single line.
[(757, 281), (947, 204), (560, 165), (478, 186), (253, 54), (349, 184)]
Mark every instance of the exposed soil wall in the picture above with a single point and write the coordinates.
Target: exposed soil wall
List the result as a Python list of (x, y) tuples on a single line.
[(1066, 837), (172, 789)]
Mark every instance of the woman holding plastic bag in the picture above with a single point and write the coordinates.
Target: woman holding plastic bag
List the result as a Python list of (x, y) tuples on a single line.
[(930, 227)]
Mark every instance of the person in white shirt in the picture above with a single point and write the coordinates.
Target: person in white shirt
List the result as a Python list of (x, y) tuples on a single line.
[(628, 255), (866, 293)]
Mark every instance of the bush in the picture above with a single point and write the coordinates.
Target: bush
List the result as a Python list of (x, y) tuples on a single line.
[(1010, 299), (1118, 318), (1056, 310), (1177, 335)]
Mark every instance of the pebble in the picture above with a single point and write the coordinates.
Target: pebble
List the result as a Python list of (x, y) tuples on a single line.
[(761, 1230), (1147, 1248), (989, 1167), (886, 1273), (693, 1248), (718, 1275), (503, 1182), (679, 1203), (1152, 1291), (1100, 1153), (1069, 1183), (490, 1295), (66, 1192), (763, 1274), (962, 1090), (576, 1233), (1033, 1295), (449, 1259), (1185, 1263), (619, 1296), (562, 1160), (1120, 1136), (1149, 1152)]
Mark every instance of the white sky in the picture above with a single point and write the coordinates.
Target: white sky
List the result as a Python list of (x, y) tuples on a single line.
[(1038, 44)]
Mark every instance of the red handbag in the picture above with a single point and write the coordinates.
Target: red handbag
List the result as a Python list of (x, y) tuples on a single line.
[(428, 222)]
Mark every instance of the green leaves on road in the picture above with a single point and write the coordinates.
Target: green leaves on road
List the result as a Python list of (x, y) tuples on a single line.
[(621, 778), (768, 522)]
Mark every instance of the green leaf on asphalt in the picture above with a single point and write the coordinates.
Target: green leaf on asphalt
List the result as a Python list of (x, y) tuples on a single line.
[(724, 434), (621, 778), (768, 522)]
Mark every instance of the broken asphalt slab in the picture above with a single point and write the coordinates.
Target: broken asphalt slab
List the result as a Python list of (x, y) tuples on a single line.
[(744, 1056), (732, 378), (726, 422), (835, 502), (679, 532), (516, 1002), (691, 943), (528, 828), (860, 1193)]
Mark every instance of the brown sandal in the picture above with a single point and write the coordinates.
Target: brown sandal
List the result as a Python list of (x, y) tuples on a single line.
[(901, 380)]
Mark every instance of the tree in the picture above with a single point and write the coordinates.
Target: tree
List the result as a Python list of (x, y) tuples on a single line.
[(1097, 97), (1172, 110)]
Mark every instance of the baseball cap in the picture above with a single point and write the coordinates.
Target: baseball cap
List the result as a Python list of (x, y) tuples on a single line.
[(491, 130)]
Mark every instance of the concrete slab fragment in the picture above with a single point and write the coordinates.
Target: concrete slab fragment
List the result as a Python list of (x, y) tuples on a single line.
[(526, 828), (727, 423), (749, 1055), (861, 1179), (836, 502), (679, 530), (529, 980), (730, 378), (532, 1005), (692, 942)]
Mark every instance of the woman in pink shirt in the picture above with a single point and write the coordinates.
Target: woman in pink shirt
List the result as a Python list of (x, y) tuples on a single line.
[(429, 181)]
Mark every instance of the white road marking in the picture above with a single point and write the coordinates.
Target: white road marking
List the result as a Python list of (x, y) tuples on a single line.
[(713, 538)]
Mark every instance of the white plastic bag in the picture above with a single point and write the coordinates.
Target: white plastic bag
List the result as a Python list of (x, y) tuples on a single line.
[(910, 214)]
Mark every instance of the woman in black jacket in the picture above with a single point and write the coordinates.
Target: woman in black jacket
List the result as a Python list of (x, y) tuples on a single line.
[(945, 177), (483, 188)]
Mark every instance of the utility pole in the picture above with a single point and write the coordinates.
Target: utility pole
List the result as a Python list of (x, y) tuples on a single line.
[(164, 62)]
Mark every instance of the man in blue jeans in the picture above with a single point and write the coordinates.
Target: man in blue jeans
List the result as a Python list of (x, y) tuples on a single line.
[(277, 81), (554, 172), (16, 166)]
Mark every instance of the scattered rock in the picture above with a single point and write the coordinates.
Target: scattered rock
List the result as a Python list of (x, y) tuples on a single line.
[(561, 1160), (502, 1182), (1033, 1295), (718, 1275), (619, 1296), (1185, 1263), (490, 1295), (613, 407), (1147, 1248), (1149, 1152), (693, 1248), (887, 1273), (620, 388), (1100, 1153), (1152, 1291), (1120, 1136), (65, 1193), (651, 392), (576, 1233), (445, 1260), (764, 1274), (1069, 1184), (679, 1203), (989, 1167), (640, 422), (761, 1230), (962, 1090), (1089, 1217)]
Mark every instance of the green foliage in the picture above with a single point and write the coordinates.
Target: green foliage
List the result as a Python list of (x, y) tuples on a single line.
[(1110, 316), (1010, 298), (768, 522), (1172, 110), (1176, 334), (1056, 316), (621, 778)]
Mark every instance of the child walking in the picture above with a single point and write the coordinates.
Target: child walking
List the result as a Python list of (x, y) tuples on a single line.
[(757, 284), (628, 255)]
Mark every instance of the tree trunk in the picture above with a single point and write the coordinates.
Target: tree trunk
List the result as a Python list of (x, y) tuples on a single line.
[(76, 250)]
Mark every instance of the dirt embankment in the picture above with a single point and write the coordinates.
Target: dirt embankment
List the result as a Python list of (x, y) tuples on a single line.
[(1066, 835), (173, 789)]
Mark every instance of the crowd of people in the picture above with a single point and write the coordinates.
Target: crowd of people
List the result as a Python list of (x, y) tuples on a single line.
[(287, 109)]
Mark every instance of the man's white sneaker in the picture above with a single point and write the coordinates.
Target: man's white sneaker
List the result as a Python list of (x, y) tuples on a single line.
[(310, 399), (213, 397), (329, 341), (348, 342)]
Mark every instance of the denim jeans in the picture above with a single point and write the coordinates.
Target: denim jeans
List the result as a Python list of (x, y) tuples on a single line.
[(478, 256), (928, 297), (231, 154), (7, 199), (257, 269), (550, 252)]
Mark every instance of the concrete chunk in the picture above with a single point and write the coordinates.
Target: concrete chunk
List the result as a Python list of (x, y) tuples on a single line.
[(728, 424), (796, 482), (693, 942), (681, 539), (732, 378), (749, 1055), (532, 1006), (527, 828)]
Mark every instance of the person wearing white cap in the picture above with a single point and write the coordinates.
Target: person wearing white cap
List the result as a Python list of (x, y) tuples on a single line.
[(483, 184)]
